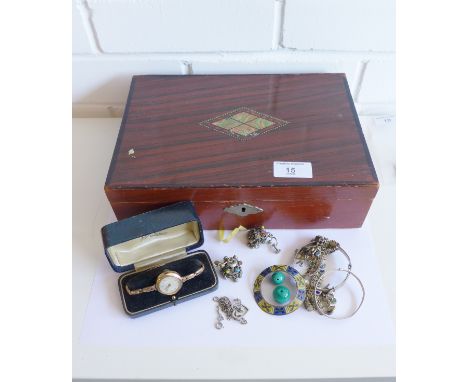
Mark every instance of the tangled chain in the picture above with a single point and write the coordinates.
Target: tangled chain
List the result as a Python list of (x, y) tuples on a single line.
[(232, 310), (258, 235), (313, 256), (324, 297)]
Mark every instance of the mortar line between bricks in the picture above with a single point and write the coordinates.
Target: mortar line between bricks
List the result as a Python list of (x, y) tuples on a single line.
[(296, 55), (362, 66), (86, 18), (278, 23)]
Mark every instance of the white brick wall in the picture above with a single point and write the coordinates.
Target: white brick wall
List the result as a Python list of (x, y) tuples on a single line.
[(183, 25), (115, 39), (340, 25), (80, 39)]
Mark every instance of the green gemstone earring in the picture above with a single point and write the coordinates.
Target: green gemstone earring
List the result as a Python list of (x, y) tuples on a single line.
[(281, 294), (277, 278)]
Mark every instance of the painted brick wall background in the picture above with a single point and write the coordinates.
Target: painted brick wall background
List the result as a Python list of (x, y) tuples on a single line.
[(115, 39)]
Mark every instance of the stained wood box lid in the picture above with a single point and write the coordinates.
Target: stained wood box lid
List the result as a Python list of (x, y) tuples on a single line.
[(227, 130)]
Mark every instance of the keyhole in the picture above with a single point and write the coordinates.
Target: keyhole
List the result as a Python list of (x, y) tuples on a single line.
[(243, 209)]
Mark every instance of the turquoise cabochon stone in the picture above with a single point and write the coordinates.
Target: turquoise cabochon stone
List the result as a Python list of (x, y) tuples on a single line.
[(281, 294), (277, 277)]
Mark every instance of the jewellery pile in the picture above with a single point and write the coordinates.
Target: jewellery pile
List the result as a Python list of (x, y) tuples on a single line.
[(322, 298), (230, 267), (232, 310), (258, 235), (314, 253)]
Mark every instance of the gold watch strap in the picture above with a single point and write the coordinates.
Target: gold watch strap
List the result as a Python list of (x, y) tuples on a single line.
[(151, 288), (195, 274)]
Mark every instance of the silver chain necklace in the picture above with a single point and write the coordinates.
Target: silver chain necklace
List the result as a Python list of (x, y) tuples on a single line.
[(232, 310)]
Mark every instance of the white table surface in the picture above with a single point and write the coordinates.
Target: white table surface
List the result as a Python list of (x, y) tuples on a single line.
[(93, 143)]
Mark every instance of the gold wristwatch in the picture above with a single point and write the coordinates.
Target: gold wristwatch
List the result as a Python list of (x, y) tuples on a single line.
[(168, 282)]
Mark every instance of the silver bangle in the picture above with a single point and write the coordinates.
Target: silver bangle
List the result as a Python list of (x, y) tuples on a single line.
[(348, 270), (318, 291)]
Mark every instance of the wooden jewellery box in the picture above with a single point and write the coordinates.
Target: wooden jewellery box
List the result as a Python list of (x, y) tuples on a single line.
[(283, 151), (154, 248)]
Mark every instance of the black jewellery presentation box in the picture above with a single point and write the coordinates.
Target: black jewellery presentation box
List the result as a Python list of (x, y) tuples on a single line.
[(159, 252)]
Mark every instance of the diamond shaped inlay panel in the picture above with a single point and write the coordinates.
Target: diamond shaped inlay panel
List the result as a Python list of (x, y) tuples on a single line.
[(244, 123)]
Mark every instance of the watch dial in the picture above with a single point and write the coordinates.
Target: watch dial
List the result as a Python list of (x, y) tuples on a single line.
[(169, 285)]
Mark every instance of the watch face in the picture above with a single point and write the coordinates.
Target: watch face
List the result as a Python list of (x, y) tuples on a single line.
[(169, 285)]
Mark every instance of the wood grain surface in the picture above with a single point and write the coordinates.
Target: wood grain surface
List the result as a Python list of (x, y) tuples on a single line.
[(174, 157)]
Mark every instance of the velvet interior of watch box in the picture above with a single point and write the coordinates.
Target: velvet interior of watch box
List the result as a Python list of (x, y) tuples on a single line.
[(159, 250), (283, 151)]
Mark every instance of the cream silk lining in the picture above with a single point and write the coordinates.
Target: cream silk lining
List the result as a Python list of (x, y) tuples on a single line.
[(155, 247)]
